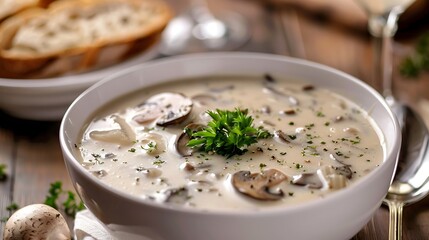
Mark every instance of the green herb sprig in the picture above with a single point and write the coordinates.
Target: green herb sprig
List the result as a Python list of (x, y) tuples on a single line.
[(11, 208), (70, 206), (413, 65), (3, 174), (229, 133)]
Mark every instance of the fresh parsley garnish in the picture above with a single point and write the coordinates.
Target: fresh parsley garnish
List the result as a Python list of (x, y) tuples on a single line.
[(229, 133), (70, 206)]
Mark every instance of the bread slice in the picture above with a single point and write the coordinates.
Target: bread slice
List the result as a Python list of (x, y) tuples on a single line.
[(78, 35), (11, 7)]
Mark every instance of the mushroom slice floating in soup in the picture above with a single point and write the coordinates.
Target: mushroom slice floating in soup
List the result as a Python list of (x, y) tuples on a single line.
[(203, 99), (165, 109), (311, 180), (271, 86), (334, 179), (325, 177), (282, 136), (177, 195), (183, 139), (344, 169), (124, 135), (257, 185), (153, 143)]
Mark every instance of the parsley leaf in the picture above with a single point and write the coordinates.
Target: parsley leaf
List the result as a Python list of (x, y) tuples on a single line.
[(228, 134), (71, 205), (11, 208), (54, 193)]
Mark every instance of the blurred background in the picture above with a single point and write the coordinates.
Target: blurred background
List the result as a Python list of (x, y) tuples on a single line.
[(330, 32)]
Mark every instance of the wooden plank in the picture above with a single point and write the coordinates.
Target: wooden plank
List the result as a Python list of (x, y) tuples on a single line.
[(35, 159), (39, 163), (7, 152)]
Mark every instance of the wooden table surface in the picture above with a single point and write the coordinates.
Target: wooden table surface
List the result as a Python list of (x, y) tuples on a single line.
[(31, 150)]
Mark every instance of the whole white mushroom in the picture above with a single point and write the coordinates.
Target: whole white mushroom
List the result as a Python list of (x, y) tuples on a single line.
[(36, 221)]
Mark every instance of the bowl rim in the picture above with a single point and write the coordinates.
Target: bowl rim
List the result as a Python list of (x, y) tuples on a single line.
[(81, 79), (392, 155)]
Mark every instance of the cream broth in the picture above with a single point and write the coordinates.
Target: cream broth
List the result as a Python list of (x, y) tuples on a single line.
[(321, 143)]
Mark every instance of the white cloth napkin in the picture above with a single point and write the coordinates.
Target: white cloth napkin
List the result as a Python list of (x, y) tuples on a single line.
[(88, 227)]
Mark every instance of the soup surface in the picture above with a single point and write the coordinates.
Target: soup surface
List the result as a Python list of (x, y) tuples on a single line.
[(320, 142)]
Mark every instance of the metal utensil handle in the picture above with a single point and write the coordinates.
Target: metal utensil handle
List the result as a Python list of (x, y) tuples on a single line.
[(395, 223)]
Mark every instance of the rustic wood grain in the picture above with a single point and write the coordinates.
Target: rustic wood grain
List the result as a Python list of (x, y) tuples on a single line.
[(7, 152), (32, 153)]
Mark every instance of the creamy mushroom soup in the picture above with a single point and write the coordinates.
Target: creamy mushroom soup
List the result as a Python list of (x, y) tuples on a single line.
[(318, 142)]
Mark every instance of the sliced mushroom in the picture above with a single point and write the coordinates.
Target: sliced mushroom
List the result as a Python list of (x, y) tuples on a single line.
[(123, 135), (336, 181), (125, 127), (113, 136), (283, 136), (177, 195), (187, 167), (203, 99), (293, 101), (311, 180), (200, 185), (344, 169), (153, 143), (265, 109), (268, 123), (287, 112), (165, 108), (149, 113), (184, 138), (333, 179), (335, 158), (351, 131), (36, 221), (257, 185)]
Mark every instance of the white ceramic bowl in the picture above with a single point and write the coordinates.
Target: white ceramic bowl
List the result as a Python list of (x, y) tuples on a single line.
[(49, 98), (338, 216)]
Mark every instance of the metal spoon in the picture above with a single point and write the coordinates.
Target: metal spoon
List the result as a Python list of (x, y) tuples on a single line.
[(411, 181)]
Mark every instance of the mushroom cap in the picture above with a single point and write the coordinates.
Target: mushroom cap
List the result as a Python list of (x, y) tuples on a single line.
[(184, 138), (165, 108), (257, 185), (312, 180), (36, 221)]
